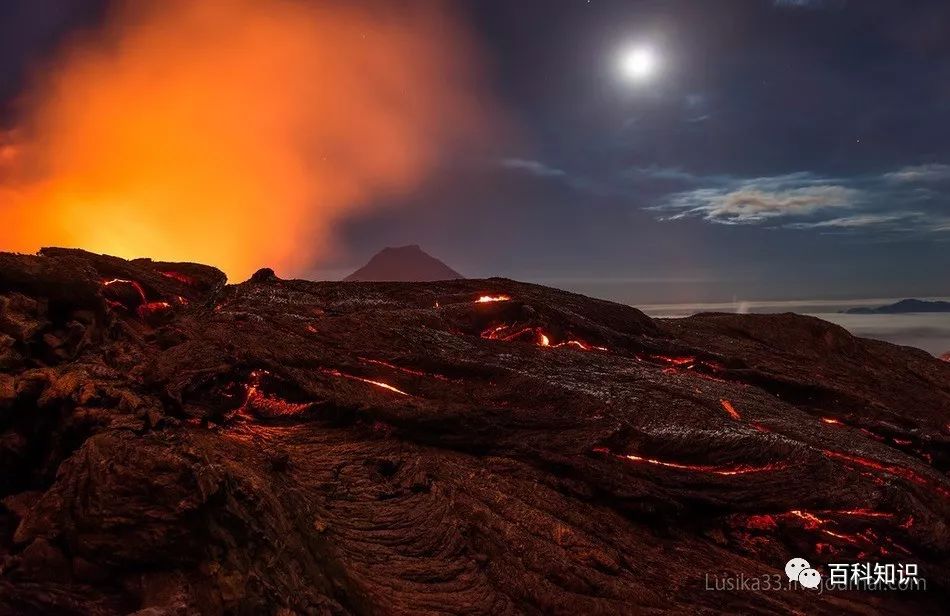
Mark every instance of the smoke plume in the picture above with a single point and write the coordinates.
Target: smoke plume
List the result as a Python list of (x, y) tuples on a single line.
[(234, 132)]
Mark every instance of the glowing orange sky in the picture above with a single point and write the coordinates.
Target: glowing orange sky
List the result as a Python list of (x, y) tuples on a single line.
[(235, 133)]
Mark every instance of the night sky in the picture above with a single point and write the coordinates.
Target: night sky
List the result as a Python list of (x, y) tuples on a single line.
[(781, 149)]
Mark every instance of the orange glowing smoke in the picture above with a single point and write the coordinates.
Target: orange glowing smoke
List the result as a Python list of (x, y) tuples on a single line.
[(234, 132)]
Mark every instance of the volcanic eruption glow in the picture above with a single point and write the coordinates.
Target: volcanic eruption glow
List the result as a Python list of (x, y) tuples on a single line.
[(234, 132)]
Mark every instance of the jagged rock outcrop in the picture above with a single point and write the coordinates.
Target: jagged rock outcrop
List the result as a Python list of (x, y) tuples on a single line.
[(172, 444)]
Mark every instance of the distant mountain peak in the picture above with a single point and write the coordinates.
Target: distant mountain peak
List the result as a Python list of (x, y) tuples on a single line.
[(904, 306), (403, 264)]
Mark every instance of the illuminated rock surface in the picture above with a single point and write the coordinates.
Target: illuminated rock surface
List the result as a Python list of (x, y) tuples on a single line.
[(170, 442)]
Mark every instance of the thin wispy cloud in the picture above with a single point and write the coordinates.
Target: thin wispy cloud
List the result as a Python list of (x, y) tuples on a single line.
[(532, 167), (673, 174), (857, 221), (808, 4), (921, 174)]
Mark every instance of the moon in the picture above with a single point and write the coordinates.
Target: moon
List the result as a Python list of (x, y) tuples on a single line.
[(638, 63)]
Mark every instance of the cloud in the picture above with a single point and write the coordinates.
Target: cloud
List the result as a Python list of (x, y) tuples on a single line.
[(759, 200), (654, 172), (933, 172), (891, 203), (533, 167), (856, 221), (808, 4)]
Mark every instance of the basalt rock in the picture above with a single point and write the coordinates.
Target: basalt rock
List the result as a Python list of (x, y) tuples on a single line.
[(173, 445)]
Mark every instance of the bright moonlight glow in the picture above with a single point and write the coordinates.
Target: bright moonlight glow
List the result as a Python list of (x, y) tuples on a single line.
[(638, 63)]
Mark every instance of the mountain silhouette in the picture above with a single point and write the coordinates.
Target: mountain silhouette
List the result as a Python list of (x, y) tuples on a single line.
[(904, 306), (404, 264)]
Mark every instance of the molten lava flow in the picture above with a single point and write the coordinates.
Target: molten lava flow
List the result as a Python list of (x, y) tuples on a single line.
[(827, 522), (874, 435), (144, 308), (507, 333), (863, 513), (580, 344), (730, 409), (138, 288), (687, 364), (811, 520), (485, 299), (897, 471), (676, 361), (236, 132), (404, 370), (854, 539), (741, 469), (256, 402), (353, 377), (761, 522), (151, 308), (903, 443), (182, 278)]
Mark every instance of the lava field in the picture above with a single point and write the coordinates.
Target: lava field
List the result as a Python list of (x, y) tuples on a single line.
[(172, 444)]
